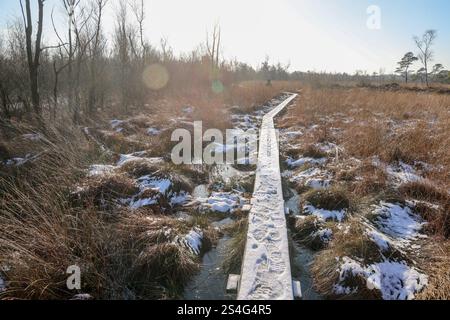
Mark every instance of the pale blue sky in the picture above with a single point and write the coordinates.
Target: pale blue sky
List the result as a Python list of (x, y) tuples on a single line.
[(325, 35)]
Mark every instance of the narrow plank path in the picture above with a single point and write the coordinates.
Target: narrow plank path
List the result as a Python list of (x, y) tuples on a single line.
[(266, 270)]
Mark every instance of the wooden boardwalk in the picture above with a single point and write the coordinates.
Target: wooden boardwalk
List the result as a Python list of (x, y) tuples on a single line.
[(266, 270)]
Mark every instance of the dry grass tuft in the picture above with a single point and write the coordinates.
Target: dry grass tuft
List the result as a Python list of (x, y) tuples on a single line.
[(312, 151), (235, 254), (334, 198), (103, 190), (350, 242), (305, 232)]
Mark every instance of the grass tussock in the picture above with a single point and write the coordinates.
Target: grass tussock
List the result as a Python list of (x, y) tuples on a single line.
[(437, 265), (128, 256), (235, 254), (335, 198), (103, 190), (351, 241), (312, 151), (305, 231)]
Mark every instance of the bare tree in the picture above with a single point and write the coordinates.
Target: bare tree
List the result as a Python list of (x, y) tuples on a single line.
[(124, 47), (426, 53), (138, 9), (166, 50), (95, 52), (213, 49), (33, 51)]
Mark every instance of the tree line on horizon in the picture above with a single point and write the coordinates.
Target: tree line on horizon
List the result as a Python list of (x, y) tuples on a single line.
[(89, 69), (425, 56)]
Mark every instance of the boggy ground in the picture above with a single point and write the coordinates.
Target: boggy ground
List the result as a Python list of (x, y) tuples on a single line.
[(372, 170), (105, 196)]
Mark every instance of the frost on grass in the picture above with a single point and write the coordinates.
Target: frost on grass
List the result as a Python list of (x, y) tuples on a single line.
[(17, 162), (245, 122), (304, 160), (397, 221), (158, 188), (192, 241), (314, 178), (325, 215), (394, 280), (152, 189), (154, 131), (32, 136), (116, 125), (100, 169), (137, 156), (325, 235), (327, 147), (403, 173)]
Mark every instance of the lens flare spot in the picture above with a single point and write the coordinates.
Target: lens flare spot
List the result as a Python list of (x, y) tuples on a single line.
[(217, 86), (155, 76)]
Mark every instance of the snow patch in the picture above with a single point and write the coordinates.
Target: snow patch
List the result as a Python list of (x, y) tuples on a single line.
[(302, 161), (223, 202), (32, 136), (403, 173), (325, 235), (395, 280), (116, 125), (397, 221), (140, 203), (192, 241), (17, 162), (100, 170), (137, 156), (179, 199), (381, 240), (325, 215), (154, 131), (314, 178), (161, 185)]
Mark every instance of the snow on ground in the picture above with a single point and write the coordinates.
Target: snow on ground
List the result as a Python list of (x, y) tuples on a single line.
[(325, 235), (325, 215), (116, 125), (17, 162), (100, 170), (223, 202), (245, 122), (125, 158), (397, 221), (32, 136), (228, 174), (161, 185), (192, 241), (403, 173), (382, 241), (304, 160), (140, 203), (314, 178), (154, 131), (394, 280), (178, 199), (327, 147)]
